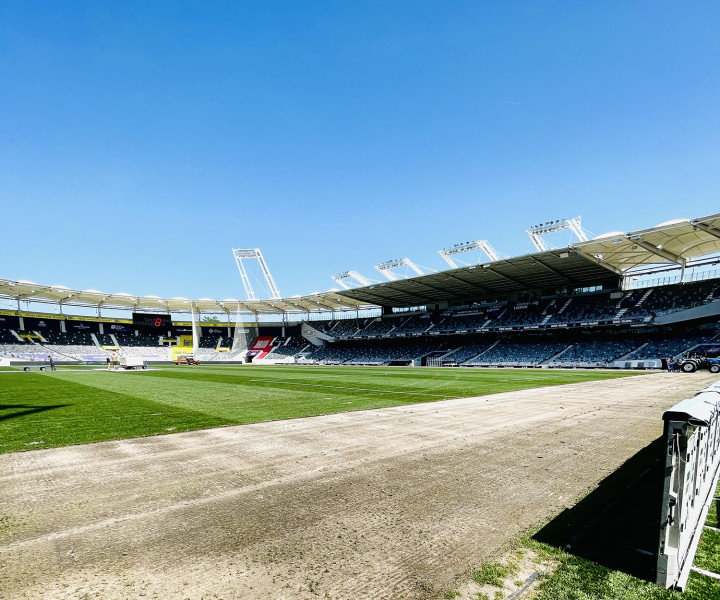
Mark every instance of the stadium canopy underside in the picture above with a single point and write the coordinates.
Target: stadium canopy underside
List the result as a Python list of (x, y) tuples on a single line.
[(602, 260)]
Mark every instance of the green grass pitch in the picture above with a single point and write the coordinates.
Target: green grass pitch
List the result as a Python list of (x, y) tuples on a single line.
[(77, 406)]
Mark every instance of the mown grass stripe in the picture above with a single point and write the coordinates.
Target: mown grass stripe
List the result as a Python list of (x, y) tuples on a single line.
[(41, 410), (343, 387)]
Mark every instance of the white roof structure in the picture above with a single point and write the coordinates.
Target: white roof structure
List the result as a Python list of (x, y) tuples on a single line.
[(673, 242), (33, 292)]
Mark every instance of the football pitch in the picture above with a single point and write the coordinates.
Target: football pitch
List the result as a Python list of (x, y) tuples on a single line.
[(82, 405)]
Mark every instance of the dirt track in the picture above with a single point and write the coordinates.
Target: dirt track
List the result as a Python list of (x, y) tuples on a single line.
[(378, 504)]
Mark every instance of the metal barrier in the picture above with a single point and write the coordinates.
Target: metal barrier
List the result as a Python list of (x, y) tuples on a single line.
[(692, 466)]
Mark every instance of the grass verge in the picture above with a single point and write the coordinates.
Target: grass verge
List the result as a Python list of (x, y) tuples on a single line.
[(568, 576)]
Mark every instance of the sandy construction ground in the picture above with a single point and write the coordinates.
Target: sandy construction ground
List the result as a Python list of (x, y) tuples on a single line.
[(378, 504)]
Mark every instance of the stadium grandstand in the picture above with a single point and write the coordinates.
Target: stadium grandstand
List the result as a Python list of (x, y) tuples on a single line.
[(617, 300)]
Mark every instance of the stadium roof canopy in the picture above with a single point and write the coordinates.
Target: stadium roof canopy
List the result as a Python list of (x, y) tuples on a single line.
[(543, 270), (604, 258), (672, 242), (55, 294)]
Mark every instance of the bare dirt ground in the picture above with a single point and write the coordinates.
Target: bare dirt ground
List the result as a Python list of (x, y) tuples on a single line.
[(382, 504)]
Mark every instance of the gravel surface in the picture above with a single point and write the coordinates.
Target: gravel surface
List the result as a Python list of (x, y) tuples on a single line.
[(380, 504)]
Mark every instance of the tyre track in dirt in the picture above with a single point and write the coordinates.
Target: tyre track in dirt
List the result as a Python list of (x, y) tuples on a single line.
[(388, 503)]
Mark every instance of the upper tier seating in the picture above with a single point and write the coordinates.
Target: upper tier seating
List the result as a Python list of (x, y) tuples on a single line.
[(378, 327), (669, 298), (595, 307), (142, 339), (345, 328)]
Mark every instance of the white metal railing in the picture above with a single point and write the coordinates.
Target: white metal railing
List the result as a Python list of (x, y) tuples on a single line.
[(692, 466), (672, 279)]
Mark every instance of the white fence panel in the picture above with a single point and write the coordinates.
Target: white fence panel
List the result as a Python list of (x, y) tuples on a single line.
[(692, 466)]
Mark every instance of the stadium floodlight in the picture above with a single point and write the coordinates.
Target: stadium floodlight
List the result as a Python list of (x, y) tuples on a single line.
[(536, 231), (481, 245), (254, 254), (387, 267), (341, 278)]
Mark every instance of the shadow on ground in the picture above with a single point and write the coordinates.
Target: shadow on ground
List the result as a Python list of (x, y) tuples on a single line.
[(618, 524), (13, 411)]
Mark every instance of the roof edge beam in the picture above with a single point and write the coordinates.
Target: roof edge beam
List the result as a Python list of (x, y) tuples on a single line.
[(707, 229), (655, 250), (601, 262)]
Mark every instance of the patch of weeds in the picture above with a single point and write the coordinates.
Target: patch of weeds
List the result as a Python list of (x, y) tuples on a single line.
[(544, 552), (576, 578), (6, 523), (499, 595), (481, 596), (451, 594), (494, 573), (519, 553), (544, 575)]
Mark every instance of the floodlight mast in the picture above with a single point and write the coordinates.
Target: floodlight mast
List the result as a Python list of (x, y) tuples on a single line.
[(386, 267), (340, 278), (254, 253), (482, 245), (536, 231)]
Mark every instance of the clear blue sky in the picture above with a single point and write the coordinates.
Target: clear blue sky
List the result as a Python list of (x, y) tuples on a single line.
[(141, 141)]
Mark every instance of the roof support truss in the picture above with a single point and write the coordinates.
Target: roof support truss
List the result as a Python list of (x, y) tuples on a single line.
[(707, 229), (506, 277), (662, 253), (601, 262), (549, 268)]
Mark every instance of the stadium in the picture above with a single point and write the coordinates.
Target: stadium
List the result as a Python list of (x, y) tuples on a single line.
[(628, 300), (496, 429)]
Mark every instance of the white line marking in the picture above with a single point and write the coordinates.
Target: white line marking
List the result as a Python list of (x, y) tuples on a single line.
[(71, 370)]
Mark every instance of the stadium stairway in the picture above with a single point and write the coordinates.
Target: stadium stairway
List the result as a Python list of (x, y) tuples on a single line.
[(559, 354), (483, 352), (449, 353), (486, 323), (639, 303), (564, 307), (624, 356), (550, 315)]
